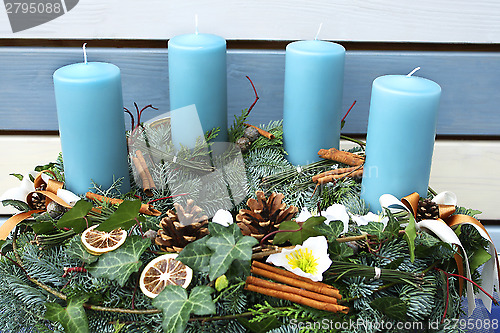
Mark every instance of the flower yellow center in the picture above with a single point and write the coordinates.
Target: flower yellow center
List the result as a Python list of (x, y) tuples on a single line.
[(304, 260)]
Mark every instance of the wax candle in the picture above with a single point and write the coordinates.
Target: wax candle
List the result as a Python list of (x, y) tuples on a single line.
[(197, 75), (314, 78), (91, 125), (400, 137)]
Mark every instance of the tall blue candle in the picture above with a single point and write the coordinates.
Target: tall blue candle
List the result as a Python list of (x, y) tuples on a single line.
[(314, 79), (91, 125), (400, 137), (198, 75)]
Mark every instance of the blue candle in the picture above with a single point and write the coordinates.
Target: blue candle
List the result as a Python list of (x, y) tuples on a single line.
[(400, 137), (314, 79), (197, 75), (92, 125)]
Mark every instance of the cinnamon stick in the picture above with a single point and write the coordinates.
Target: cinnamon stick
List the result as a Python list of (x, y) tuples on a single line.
[(298, 299), (141, 172), (292, 290), (333, 172), (262, 132), (145, 208), (341, 156), (320, 289), (332, 178), (289, 274), (149, 179)]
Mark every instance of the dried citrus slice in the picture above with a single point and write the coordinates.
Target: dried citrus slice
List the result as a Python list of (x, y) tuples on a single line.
[(164, 271), (99, 242)]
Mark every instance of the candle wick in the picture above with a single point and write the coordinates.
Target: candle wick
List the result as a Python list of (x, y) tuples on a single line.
[(413, 72), (196, 24), (319, 30), (85, 52)]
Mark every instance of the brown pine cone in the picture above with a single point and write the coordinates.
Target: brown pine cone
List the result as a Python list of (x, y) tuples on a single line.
[(181, 228), (264, 215), (427, 210)]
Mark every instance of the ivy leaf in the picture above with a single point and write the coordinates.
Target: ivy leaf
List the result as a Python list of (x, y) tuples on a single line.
[(119, 264), (330, 231), (479, 257), (196, 255), (373, 228), (339, 251), (177, 307), (410, 235), (292, 237), (17, 204), (74, 218), (6, 246), (73, 318), (75, 249), (393, 225), (298, 237), (124, 216), (226, 250), (392, 307)]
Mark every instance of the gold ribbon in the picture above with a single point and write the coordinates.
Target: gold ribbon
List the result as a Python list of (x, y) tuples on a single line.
[(50, 193), (453, 221)]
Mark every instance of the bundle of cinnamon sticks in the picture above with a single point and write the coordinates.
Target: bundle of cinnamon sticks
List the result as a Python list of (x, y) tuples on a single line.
[(143, 171), (355, 161), (294, 288)]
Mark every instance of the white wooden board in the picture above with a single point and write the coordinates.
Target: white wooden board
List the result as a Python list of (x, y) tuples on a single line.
[(354, 20), (468, 168)]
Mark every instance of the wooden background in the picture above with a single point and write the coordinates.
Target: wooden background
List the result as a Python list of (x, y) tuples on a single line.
[(455, 42)]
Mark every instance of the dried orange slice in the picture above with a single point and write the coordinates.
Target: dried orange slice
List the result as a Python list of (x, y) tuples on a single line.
[(164, 271), (99, 242)]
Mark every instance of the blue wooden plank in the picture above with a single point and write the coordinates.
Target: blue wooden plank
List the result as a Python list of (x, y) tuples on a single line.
[(470, 102)]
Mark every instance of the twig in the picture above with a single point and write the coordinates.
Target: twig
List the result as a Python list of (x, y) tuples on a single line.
[(348, 111), (256, 97)]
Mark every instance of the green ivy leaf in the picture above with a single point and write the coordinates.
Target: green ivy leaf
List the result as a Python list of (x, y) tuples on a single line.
[(119, 264), (374, 228), (298, 237), (393, 225), (410, 235), (479, 257), (226, 250), (339, 251), (73, 318), (74, 218), (177, 307), (292, 237), (330, 231), (392, 307), (17, 204), (75, 249), (196, 255), (124, 216)]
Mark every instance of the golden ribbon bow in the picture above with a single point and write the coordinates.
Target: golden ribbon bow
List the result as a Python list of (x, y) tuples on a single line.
[(50, 189), (446, 216)]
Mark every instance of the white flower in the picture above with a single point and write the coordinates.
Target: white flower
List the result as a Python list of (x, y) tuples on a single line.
[(335, 212), (223, 217), (370, 217), (21, 192), (309, 260)]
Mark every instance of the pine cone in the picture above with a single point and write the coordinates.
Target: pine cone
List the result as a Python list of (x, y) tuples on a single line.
[(427, 210), (264, 215), (38, 201), (181, 228)]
